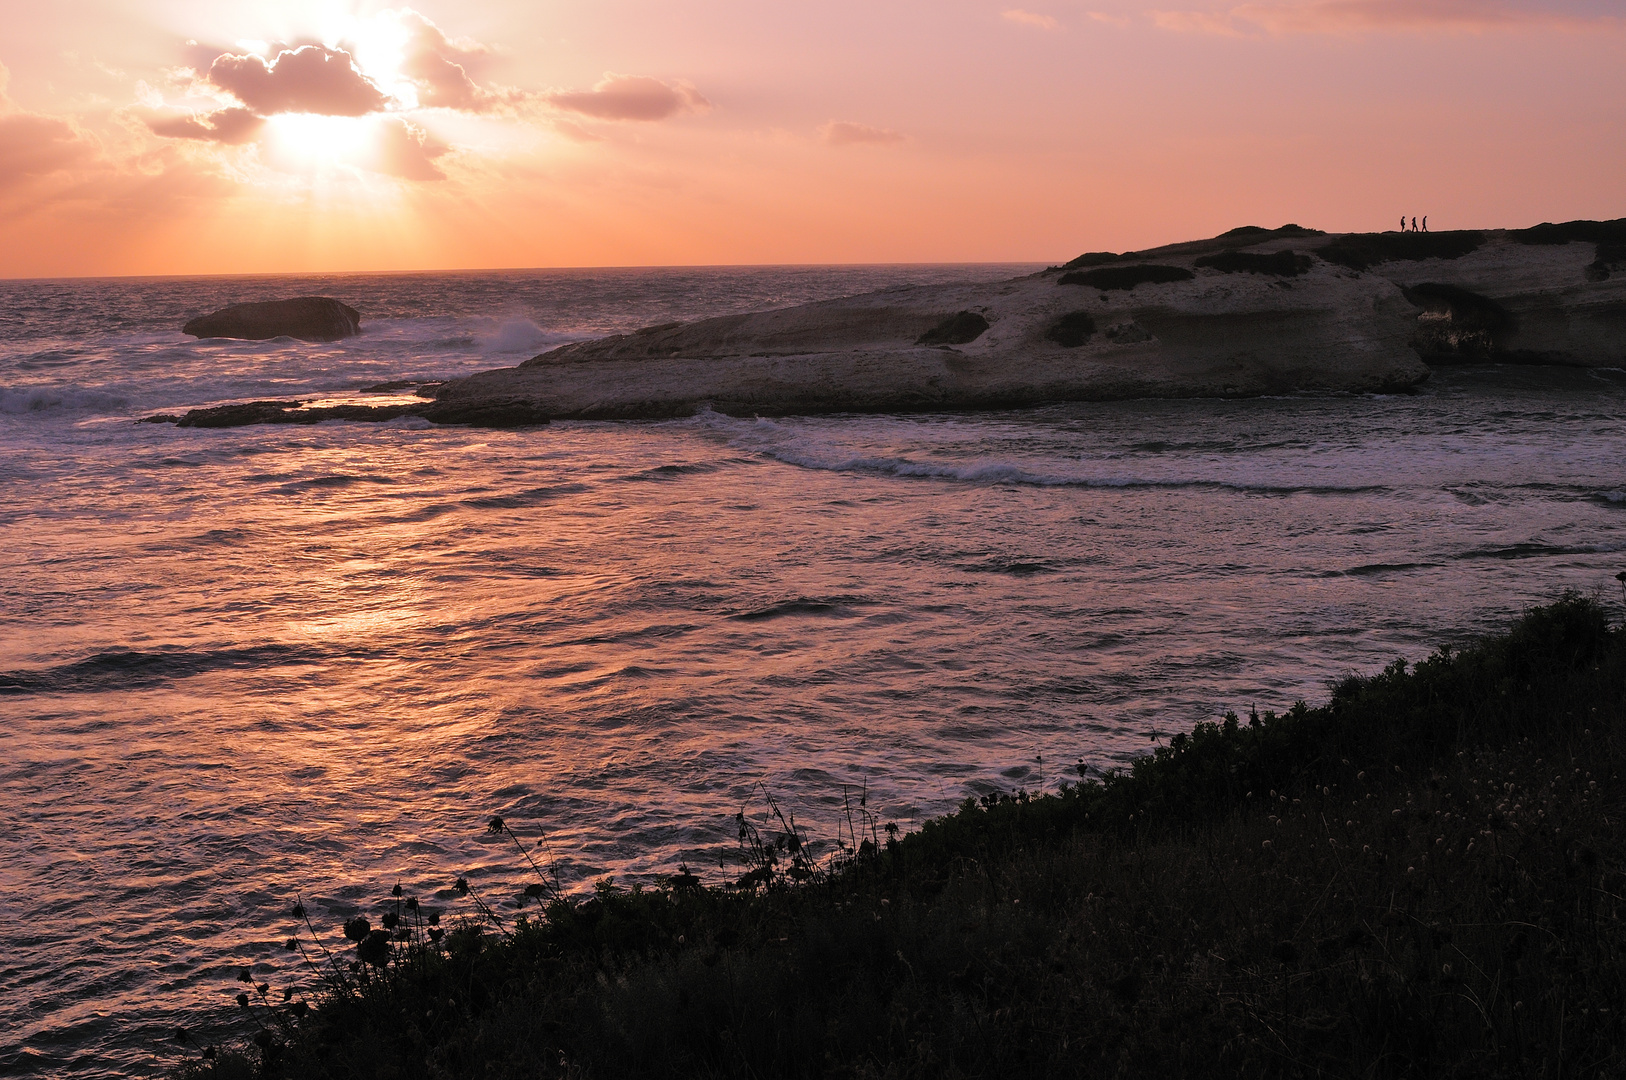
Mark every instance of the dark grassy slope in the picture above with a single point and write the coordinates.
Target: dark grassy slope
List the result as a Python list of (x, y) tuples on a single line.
[(1424, 877)]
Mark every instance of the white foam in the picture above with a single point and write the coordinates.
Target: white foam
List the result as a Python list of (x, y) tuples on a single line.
[(24, 400)]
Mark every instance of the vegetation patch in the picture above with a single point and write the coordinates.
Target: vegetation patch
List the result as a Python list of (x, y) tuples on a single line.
[(1261, 232), (1096, 258), (1362, 251), (1567, 232), (1609, 236), (1423, 877), (1072, 330), (961, 328), (1279, 263), (1108, 278)]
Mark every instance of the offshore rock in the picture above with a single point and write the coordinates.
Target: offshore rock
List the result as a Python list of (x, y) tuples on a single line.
[(308, 318)]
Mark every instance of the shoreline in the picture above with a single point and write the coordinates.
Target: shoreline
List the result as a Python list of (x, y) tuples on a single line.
[(1252, 312)]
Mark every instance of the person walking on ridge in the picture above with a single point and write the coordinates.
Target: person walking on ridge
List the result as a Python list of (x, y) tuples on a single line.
[(1413, 224), (1425, 223)]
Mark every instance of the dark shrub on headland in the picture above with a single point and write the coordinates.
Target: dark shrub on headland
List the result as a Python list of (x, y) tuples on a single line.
[(1362, 251), (1609, 236), (1590, 232), (1072, 330), (1421, 878), (1095, 258), (1108, 278), (1279, 263), (1260, 232), (961, 328)]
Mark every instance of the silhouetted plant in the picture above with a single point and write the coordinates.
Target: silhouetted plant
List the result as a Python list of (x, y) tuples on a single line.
[(1109, 278)]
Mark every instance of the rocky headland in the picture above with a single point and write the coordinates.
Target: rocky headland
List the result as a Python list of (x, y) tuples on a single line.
[(308, 318), (1253, 311)]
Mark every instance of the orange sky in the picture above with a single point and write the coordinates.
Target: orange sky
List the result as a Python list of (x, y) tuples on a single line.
[(219, 136)]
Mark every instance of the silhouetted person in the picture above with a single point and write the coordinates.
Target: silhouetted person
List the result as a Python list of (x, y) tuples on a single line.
[(1413, 224), (1402, 223), (1425, 223)]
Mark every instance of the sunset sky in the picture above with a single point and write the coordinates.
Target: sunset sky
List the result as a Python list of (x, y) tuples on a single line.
[(184, 136)]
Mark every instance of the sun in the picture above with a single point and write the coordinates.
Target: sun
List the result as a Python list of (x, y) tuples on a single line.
[(309, 140), (379, 46)]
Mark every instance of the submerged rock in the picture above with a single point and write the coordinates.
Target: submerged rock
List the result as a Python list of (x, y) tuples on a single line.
[(244, 413), (309, 318)]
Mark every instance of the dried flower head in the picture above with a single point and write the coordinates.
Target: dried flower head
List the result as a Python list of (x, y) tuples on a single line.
[(495, 825)]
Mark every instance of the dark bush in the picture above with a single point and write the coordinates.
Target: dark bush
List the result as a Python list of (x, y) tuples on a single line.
[(1591, 232), (1126, 277), (1421, 878), (1095, 258), (1072, 330), (958, 329), (1362, 251), (1279, 263), (1256, 230)]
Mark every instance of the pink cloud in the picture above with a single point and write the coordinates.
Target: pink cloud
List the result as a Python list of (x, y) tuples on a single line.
[(229, 126), (847, 133), (1355, 16), (309, 79), (1028, 18), (438, 66), (404, 150), (631, 97), (33, 146)]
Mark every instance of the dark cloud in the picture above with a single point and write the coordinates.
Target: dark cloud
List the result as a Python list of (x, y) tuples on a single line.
[(230, 126), (309, 79), (847, 133), (631, 97)]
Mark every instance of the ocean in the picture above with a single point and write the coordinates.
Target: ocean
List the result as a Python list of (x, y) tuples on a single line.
[(243, 667)]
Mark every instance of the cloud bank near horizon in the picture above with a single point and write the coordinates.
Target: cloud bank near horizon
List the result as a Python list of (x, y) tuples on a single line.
[(1383, 16)]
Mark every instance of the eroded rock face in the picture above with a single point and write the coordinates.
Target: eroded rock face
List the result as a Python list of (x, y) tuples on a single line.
[(308, 318), (1196, 332), (1550, 301)]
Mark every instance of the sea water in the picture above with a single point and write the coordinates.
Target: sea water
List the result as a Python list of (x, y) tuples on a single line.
[(240, 667)]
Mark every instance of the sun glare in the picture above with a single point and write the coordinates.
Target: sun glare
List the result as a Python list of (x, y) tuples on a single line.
[(311, 141)]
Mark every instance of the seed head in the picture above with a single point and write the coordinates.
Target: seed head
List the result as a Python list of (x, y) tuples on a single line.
[(495, 825)]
